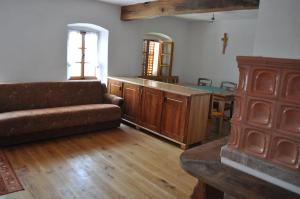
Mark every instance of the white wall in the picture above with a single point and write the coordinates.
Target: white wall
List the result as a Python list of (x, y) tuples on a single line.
[(205, 58), (33, 38), (278, 29)]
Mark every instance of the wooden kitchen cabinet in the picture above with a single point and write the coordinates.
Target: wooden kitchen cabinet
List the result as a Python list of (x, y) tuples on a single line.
[(152, 101), (174, 112), (173, 121), (115, 87), (132, 102)]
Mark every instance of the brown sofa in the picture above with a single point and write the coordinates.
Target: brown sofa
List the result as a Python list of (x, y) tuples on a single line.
[(34, 111)]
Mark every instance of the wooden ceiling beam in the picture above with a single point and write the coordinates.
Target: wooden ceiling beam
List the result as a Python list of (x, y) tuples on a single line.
[(175, 7)]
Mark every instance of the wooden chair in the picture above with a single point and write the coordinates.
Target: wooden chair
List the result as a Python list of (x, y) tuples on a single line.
[(204, 82), (230, 86), (219, 117)]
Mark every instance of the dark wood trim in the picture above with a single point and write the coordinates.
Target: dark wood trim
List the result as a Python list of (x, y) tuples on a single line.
[(83, 78), (82, 53), (176, 7)]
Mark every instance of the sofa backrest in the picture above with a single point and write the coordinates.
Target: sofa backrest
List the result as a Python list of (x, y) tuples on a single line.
[(23, 96)]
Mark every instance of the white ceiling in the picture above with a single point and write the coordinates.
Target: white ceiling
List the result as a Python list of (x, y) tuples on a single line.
[(125, 2), (229, 15)]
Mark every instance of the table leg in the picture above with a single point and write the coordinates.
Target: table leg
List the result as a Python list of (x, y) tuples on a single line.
[(231, 108), (205, 191), (222, 110), (221, 106), (199, 191), (226, 196)]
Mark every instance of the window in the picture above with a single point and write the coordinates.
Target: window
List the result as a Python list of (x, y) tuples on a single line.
[(157, 58), (82, 54)]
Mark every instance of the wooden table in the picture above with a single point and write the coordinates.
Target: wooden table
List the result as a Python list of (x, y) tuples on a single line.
[(215, 179), (220, 95)]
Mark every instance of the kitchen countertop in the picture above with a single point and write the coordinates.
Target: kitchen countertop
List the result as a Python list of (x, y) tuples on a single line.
[(172, 88)]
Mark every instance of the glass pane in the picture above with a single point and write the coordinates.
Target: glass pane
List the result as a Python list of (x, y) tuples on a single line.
[(89, 70), (165, 59), (164, 71), (166, 48), (75, 70), (91, 54), (155, 59), (91, 44), (74, 45), (75, 56)]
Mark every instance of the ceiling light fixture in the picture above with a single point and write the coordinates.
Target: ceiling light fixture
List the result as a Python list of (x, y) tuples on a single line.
[(213, 19)]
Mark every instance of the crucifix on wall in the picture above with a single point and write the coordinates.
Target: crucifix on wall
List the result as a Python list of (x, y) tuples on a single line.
[(225, 42)]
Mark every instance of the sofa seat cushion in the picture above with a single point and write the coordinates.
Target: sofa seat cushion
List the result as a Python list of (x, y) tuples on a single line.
[(35, 120)]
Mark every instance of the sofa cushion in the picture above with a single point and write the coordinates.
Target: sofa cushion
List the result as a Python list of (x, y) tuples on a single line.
[(24, 96), (35, 120)]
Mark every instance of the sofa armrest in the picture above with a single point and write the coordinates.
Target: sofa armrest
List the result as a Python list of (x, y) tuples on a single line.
[(113, 99)]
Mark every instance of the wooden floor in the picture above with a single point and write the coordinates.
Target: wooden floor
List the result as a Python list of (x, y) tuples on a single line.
[(118, 164)]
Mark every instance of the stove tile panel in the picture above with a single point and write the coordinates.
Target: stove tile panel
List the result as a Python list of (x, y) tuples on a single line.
[(243, 79), (256, 142), (285, 151), (264, 82), (239, 103), (235, 138), (260, 112), (288, 120), (291, 86)]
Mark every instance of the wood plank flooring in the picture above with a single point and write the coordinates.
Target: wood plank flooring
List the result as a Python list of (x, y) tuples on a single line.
[(116, 164)]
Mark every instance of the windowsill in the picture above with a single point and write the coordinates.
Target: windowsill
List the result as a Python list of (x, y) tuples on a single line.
[(83, 79)]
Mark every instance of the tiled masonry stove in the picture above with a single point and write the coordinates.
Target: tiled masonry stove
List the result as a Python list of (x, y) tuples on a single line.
[(265, 127)]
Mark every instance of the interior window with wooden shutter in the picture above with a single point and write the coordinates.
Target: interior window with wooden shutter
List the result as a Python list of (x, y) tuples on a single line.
[(157, 58)]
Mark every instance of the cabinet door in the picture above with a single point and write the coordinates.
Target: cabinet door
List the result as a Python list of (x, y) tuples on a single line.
[(174, 116), (151, 108), (131, 95), (115, 87)]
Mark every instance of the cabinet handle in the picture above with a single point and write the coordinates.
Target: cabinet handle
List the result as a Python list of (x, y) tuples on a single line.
[(165, 99), (141, 93), (174, 100)]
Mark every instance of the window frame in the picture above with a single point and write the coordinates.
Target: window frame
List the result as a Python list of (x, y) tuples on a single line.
[(82, 76), (148, 71)]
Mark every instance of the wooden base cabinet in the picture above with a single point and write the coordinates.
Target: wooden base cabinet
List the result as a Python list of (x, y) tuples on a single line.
[(179, 118), (132, 98), (152, 102), (115, 88), (173, 121)]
